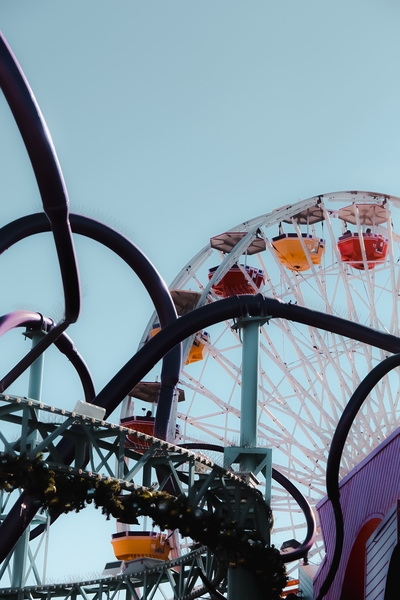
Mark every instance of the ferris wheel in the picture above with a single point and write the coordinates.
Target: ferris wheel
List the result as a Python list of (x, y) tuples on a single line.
[(337, 254)]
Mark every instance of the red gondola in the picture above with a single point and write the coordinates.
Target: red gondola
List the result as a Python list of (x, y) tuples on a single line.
[(376, 249), (141, 424), (236, 282), (376, 246)]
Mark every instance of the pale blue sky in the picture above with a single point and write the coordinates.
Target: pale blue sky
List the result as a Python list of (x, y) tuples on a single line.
[(174, 121)]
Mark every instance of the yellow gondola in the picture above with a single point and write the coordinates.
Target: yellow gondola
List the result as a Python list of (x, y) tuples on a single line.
[(292, 254), (185, 301), (198, 348), (129, 545)]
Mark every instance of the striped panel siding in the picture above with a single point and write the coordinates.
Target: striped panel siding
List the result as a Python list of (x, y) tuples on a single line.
[(306, 589), (306, 575), (379, 550), (370, 490)]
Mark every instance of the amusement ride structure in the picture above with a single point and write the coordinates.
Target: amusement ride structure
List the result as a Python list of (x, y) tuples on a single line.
[(264, 336)]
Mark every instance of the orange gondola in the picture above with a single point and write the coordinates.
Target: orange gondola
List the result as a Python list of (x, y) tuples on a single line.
[(185, 301), (198, 348), (292, 587), (130, 545), (238, 281), (295, 253)]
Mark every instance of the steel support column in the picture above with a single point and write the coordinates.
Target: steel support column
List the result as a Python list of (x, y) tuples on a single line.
[(35, 392), (241, 582)]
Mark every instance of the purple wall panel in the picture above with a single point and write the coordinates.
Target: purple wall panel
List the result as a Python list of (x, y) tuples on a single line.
[(370, 490)]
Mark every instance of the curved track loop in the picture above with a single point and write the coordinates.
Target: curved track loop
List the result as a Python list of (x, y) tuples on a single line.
[(53, 192), (37, 322), (335, 455)]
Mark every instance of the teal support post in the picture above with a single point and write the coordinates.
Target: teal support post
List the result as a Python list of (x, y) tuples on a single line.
[(36, 370), (248, 409), (34, 392), (19, 561), (241, 582)]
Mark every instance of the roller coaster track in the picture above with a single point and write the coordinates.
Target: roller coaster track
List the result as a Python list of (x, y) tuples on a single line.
[(24, 419), (180, 579)]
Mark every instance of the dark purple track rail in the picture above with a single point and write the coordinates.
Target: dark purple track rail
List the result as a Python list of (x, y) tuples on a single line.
[(37, 322), (53, 192)]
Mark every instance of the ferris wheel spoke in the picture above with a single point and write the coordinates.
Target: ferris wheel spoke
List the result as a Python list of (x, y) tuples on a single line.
[(221, 359), (283, 406), (277, 405), (209, 430), (312, 397), (303, 476), (200, 389), (326, 360), (286, 429), (280, 433), (368, 301)]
